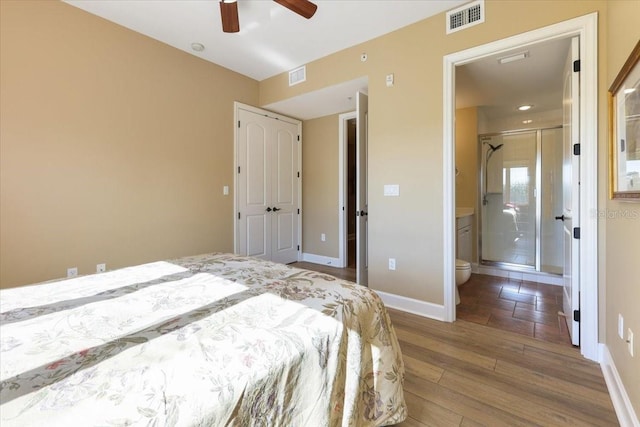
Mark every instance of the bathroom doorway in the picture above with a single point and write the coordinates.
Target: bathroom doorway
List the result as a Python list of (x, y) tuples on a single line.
[(584, 269), (353, 200)]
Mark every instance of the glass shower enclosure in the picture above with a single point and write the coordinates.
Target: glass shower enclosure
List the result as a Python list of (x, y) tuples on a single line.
[(520, 196)]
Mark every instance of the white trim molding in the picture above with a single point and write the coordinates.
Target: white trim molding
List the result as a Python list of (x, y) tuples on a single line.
[(413, 306), (621, 401), (585, 27), (320, 259)]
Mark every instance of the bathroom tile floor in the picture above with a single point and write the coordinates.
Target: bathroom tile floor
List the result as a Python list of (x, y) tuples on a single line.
[(527, 308)]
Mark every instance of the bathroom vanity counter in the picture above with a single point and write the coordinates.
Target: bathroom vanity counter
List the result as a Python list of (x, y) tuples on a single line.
[(463, 211)]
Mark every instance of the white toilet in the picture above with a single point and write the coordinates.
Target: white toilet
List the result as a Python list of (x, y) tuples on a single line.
[(463, 271)]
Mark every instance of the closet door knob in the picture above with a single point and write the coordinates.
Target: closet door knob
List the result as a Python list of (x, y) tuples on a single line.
[(560, 218), (276, 209), (268, 209)]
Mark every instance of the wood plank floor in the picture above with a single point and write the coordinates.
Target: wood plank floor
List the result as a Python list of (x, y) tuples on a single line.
[(527, 308), (473, 374), (466, 374)]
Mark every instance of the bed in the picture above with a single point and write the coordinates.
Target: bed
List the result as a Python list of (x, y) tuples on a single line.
[(210, 340)]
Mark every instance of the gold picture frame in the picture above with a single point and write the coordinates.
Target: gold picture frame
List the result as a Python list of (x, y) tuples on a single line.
[(624, 131)]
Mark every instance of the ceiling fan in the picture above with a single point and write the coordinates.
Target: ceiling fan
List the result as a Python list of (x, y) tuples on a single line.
[(229, 12)]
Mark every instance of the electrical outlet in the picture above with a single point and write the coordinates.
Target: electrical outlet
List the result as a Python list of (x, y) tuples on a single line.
[(323, 237), (620, 326), (101, 268), (72, 272), (630, 341), (392, 263)]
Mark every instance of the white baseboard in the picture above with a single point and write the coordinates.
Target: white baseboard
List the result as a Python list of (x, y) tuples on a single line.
[(621, 401), (320, 259), (414, 306)]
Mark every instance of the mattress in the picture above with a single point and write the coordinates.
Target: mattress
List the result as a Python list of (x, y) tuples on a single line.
[(214, 340)]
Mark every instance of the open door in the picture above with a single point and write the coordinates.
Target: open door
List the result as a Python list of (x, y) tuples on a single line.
[(571, 192), (362, 113)]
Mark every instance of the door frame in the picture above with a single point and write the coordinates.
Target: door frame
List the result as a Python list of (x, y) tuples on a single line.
[(585, 27), (240, 106), (343, 168)]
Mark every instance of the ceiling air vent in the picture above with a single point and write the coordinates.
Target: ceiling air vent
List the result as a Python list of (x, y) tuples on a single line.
[(298, 75), (466, 16)]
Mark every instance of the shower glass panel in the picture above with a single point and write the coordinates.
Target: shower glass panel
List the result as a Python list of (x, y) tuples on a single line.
[(521, 196), (508, 205), (551, 230)]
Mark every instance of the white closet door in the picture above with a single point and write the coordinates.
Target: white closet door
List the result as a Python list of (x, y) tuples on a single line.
[(268, 187), (254, 185), (284, 171)]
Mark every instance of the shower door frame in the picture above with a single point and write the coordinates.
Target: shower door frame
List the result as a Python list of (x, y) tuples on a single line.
[(537, 195)]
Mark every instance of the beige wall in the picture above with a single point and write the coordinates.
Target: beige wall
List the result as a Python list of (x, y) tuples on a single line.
[(620, 235), (320, 186), (467, 165), (405, 131), (405, 147), (114, 147)]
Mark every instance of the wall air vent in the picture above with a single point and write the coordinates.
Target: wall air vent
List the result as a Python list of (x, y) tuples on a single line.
[(298, 75), (466, 16)]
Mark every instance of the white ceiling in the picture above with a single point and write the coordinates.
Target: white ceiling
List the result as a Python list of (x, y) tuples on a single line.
[(500, 88), (331, 100), (272, 39)]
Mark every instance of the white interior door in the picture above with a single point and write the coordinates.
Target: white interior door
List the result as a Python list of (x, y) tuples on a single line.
[(268, 182), (284, 193), (362, 209), (571, 192)]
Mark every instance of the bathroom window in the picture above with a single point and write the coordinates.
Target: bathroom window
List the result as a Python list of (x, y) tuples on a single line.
[(516, 185)]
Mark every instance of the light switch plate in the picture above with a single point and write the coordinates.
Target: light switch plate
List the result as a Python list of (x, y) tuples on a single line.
[(391, 190), (389, 79)]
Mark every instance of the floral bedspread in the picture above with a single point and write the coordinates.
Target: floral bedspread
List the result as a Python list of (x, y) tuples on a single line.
[(212, 340)]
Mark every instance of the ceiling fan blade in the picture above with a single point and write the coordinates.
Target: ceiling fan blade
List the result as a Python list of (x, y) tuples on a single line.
[(302, 7), (229, 14)]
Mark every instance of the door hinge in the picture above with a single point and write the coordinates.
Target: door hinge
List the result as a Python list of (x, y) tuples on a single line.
[(298, 211), (576, 316), (576, 66), (576, 232), (298, 138), (238, 215), (298, 248), (238, 169), (576, 149), (298, 174), (238, 123)]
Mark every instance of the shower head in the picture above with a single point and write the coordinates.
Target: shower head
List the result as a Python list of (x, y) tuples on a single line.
[(492, 149)]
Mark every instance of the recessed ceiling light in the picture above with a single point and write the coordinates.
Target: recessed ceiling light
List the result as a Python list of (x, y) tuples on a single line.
[(525, 107), (526, 122), (198, 47)]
